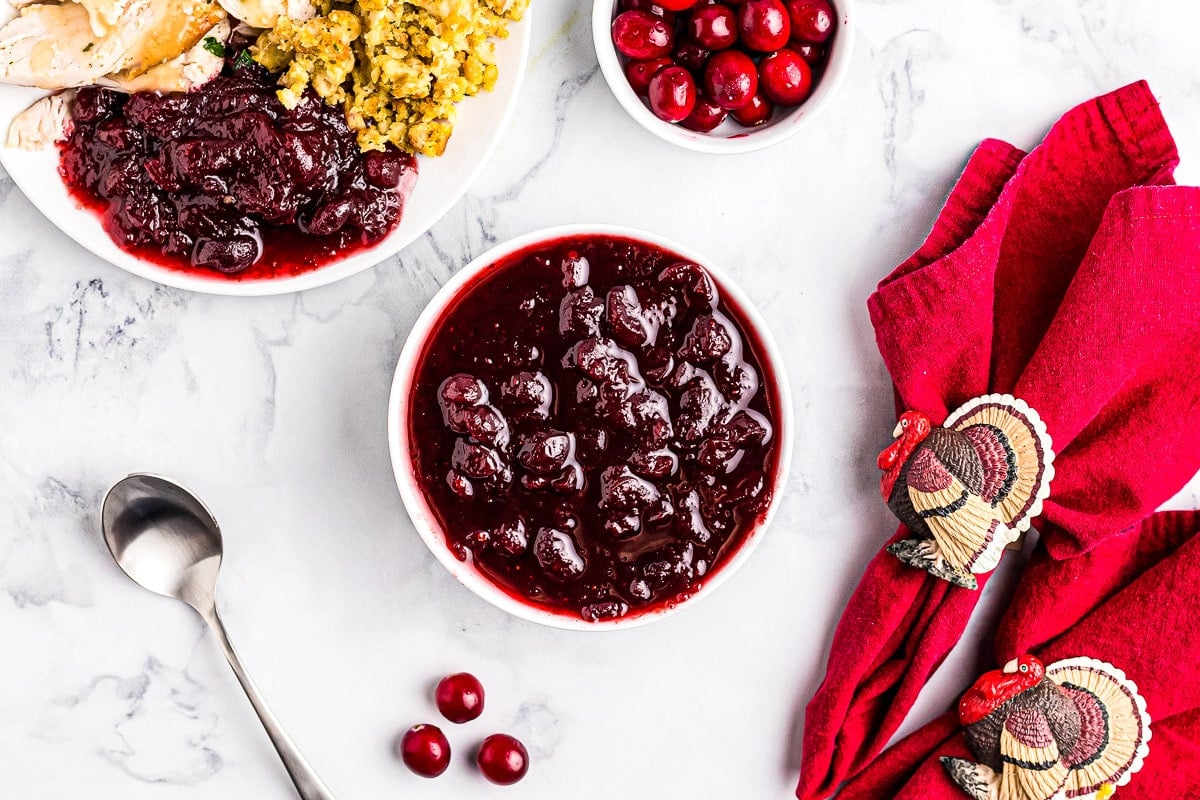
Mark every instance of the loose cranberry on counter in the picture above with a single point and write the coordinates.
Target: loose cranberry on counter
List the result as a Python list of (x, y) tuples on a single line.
[(730, 79), (672, 94), (425, 750), (785, 78), (713, 27), (502, 759), (812, 20), (639, 73), (754, 113), (460, 697), (642, 35), (764, 25), (705, 117)]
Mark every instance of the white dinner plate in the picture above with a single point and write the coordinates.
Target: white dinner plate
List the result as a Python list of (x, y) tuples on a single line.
[(442, 181)]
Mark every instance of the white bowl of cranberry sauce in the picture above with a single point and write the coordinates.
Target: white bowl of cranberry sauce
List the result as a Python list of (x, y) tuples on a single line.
[(590, 427), (723, 76)]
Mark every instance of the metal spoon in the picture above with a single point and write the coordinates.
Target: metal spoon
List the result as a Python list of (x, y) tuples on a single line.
[(164, 538)]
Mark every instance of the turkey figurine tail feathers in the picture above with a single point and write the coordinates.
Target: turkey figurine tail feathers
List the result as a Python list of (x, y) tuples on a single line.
[(1115, 732), (1015, 449)]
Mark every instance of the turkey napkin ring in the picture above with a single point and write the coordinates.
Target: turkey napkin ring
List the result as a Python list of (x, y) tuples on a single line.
[(969, 488), (1074, 729)]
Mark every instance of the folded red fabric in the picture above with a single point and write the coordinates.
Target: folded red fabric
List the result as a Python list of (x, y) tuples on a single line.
[(1131, 602), (1067, 278)]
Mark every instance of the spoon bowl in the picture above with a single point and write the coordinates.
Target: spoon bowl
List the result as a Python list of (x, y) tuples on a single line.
[(163, 538), (167, 541)]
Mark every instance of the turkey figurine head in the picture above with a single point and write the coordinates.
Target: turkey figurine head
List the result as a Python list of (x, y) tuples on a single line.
[(910, 431), (997, 687)]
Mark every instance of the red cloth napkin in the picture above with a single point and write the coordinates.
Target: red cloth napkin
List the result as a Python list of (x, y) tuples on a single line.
[(1138, 594), (1047, 276)]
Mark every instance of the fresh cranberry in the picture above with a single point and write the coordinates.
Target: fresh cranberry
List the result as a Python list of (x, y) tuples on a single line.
[(502, 759), (677, 5), (785, 78), (460, 697), (713, 27), (730, 79), (672, 94), (652, 7), (754, 113), (641, 35), (705, 117), (764, 25), (812, 20), (639, 73), (814, 54), (691, 55), (425, 750)]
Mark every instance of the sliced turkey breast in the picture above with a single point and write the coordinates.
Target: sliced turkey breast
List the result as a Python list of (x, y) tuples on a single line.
[(42, 124), (55, 46), (183, 73)]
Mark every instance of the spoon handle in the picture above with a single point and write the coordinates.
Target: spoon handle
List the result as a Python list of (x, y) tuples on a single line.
[(308, 785)]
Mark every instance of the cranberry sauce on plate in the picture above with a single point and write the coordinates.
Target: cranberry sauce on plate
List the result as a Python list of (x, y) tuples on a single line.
[(224, 179), (592, 426)]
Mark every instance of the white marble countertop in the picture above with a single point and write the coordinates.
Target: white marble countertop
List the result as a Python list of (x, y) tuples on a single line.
[(273, 410)]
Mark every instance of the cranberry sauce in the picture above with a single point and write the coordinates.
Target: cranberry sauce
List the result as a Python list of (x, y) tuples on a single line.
[(590, 427), (224, 179)]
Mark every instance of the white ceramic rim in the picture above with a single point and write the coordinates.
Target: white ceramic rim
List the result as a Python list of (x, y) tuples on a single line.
[(774, 132), (422, 515), (520, 35)]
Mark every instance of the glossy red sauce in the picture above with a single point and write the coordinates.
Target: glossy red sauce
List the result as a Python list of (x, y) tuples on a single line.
[(224, 181), (593, 426)]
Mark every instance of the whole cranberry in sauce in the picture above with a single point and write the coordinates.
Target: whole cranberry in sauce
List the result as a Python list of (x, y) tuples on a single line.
[(713, 27), (224, 179), (811, 20), (459, 697), (642, 35), (730, 79), (785, 78), (425, 751), (672, 94), (502, 759), (593, 428), (764, 25)]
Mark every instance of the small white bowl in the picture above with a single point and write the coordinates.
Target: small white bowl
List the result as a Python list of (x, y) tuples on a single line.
[(423, 516), (729, 137)]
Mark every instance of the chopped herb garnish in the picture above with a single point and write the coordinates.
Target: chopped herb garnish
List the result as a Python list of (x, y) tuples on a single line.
[(90, 45), (215, 47), (244, 59)]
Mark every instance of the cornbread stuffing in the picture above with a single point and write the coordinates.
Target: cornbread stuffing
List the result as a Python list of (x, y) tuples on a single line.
[(397, 67)]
